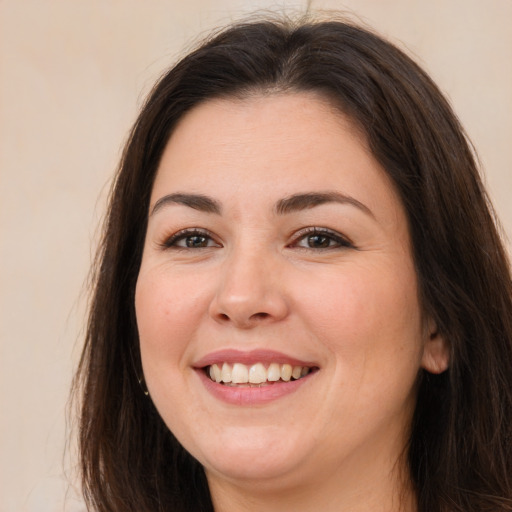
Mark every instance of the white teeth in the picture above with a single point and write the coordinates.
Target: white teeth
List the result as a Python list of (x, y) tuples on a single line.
[(257, 374), (239, 373), (296, 372), (286, 372), (217, 373), (226, 373), (274, 372)]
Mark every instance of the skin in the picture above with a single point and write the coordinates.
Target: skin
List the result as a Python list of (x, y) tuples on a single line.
[(262, 282)]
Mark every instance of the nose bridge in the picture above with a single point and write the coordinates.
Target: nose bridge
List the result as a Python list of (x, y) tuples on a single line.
[(249, 289)]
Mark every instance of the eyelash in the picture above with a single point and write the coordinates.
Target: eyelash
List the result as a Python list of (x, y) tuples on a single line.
[(330, 236)]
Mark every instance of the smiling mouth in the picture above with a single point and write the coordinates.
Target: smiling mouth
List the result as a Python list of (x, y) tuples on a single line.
[(256, 375)]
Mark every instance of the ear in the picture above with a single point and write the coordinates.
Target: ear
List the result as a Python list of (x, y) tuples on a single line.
[(436, 357)]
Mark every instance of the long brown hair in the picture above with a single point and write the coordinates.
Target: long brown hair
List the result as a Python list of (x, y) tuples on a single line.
[(460, 449)]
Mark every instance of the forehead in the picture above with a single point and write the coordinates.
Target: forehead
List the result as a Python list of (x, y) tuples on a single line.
[(296, 141), (300, 115)]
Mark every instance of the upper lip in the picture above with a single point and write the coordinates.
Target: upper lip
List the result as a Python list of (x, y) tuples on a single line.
[(249, 357)]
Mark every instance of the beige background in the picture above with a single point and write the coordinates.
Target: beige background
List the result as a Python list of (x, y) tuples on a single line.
[(72, 75)]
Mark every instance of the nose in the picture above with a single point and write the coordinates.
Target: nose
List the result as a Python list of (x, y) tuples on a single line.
[(250, 291)]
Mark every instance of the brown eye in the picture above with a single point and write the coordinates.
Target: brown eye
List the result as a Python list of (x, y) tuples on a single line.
[(321, 238), (196, 241), (190, 239), (318, 241)]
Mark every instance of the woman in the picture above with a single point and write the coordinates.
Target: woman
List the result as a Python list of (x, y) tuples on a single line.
[(301, 300)]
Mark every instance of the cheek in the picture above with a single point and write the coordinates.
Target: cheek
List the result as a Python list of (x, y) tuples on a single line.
[(167, 309), (166, 321), (368, 318)]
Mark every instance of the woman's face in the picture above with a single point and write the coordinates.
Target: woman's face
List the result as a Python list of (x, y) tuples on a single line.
[(277, 244)]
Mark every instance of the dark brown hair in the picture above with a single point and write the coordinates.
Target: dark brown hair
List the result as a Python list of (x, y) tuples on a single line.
[(460, 450)]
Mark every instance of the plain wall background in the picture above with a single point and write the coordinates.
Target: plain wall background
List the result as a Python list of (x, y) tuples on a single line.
[(72, 76)]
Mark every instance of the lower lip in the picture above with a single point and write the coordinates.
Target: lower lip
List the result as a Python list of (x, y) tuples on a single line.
[(237, 395)]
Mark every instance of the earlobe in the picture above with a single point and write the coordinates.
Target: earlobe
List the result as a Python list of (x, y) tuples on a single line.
[(436, 358)]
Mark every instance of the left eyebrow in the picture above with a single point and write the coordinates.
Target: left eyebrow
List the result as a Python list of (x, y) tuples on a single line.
[(298, 202)]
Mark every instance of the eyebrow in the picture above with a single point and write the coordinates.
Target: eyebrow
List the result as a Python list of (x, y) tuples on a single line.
[(293, 203), (297, 202), (196, 201)]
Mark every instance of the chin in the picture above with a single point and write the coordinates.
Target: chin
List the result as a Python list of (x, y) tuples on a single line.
[(254, 471), (251, 455)]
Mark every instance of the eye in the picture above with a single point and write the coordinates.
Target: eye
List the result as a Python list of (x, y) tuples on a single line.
[(320, 238), (190, 239)]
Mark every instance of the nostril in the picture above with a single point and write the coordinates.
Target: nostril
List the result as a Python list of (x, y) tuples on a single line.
[(260, 316)]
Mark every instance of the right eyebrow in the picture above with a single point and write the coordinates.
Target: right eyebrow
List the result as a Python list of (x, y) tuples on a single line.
[(195, 201)]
